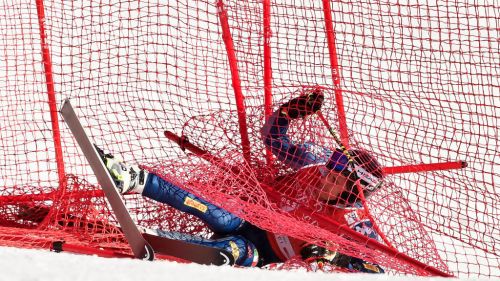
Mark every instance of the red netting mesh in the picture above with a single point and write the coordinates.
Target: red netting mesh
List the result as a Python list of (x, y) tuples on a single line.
[(419, 83)]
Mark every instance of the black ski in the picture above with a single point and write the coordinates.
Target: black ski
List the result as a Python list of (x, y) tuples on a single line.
[(143, 245)]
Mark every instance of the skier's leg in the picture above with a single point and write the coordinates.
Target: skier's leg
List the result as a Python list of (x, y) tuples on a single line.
[(260, 240), (218, 220), (133, 179), (243, 251)]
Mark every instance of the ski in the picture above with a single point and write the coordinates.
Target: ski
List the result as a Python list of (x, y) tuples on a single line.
[(189, 251), (140, 247), (143, 245)]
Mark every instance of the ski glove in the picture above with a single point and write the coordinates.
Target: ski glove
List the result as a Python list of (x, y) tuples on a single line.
[(304, 105), (313, 253)]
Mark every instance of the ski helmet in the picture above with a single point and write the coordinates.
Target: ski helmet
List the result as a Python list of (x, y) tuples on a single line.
[(364, 168)]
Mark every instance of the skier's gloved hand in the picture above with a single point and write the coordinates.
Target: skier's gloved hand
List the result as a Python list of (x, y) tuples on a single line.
[(323, 258), (356, 264), (311, 252), (304, 105)]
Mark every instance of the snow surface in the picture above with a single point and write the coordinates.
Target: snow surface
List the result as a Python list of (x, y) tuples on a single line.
[(33, 265)]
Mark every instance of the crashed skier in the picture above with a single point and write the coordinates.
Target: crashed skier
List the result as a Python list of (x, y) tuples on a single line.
[(329, 177)]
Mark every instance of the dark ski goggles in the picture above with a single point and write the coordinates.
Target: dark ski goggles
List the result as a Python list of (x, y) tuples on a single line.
[(339, 162)]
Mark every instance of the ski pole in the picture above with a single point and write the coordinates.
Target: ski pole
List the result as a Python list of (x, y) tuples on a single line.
[(335, 137)]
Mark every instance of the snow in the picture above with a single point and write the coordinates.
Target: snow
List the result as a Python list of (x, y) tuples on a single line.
[(34, 265)]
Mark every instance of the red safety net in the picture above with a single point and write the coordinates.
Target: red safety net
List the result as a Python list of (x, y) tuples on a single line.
[(414, 84)]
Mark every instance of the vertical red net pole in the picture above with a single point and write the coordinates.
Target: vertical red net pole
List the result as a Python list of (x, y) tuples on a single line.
[(334, 65), (47, 63), (268, 74), (233, 65)]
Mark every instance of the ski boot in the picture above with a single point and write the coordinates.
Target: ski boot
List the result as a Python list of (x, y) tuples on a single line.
[(128, 179)]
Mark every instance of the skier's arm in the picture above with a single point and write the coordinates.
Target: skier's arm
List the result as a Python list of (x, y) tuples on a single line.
[(274, 132)]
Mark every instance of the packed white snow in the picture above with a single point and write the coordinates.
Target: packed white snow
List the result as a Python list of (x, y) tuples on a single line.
[(34, 265)]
